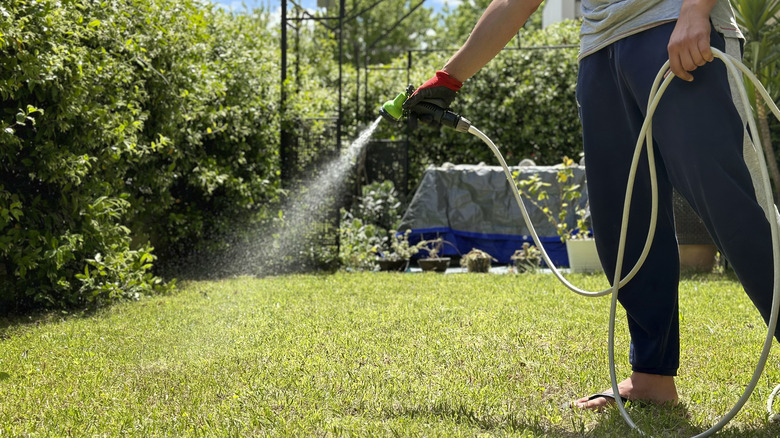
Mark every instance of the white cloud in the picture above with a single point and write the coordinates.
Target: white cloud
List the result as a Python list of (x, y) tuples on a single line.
[(237, 5), (276, 14), (276, 17)]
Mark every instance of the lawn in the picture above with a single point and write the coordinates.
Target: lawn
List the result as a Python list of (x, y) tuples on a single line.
[(370, 354)]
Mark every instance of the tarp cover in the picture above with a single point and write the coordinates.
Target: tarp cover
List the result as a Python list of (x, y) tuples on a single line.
[(472, 206)]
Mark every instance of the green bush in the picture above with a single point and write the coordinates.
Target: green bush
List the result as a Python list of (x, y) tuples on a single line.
[(358, 242), (369, 227), (219, 113), (126, 125), (524, 100)]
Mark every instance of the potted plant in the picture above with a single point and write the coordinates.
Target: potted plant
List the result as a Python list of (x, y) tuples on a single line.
[(397, 258), (526, 259), (433, 262), (477, 260), (580, 245)]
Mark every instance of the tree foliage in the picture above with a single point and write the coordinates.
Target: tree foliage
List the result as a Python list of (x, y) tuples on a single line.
[(377, 32), (126, 125), (460, 20), (523, 99), (758, 21)]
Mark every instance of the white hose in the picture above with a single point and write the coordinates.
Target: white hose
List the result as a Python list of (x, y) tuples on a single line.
[(772, 416), (646, 138)]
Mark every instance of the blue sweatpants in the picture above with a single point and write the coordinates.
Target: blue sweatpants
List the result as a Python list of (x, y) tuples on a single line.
[(698, 140)]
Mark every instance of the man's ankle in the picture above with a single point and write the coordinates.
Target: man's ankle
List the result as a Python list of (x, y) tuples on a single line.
[(653, 387)]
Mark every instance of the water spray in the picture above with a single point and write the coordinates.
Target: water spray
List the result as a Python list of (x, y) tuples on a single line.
[(433, 114)]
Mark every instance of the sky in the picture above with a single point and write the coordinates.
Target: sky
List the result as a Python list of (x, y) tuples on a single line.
[(275, 5)]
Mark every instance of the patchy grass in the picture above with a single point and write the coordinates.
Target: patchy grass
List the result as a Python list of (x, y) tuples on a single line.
[(370, 354)]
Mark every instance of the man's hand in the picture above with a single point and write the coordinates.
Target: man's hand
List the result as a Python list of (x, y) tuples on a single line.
[(439, 90), (689, 45)]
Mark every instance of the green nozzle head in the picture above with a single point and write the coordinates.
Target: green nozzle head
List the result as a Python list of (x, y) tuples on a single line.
[(393, 109)]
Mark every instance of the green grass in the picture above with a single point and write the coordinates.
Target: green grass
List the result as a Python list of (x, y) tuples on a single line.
[(369, 355)]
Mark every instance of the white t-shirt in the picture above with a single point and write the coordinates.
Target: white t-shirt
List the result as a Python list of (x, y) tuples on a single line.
[(606, 21)]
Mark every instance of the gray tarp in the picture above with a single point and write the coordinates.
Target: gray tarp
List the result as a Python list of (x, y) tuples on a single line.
[(474, 206)]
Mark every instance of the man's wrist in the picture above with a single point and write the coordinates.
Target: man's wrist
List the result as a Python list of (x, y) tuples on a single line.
[(449, 80), (699, 6)]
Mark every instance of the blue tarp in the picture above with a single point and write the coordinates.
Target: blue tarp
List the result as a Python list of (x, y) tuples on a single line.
[(473, 207), (500, 246)]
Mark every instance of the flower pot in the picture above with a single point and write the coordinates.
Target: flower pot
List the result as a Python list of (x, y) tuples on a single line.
[(438, 264), (526, 259), (522, 266), (476, 261), (481, 265), (392, 265), (698, 257), (583, 256)]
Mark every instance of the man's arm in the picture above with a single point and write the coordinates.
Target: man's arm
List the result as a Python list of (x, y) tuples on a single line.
[(498, 24), (689, 45)]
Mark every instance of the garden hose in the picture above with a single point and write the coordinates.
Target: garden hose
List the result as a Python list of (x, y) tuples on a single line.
[(734, 66)]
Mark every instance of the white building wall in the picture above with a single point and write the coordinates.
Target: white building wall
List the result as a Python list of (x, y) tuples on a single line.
[(559, 10)]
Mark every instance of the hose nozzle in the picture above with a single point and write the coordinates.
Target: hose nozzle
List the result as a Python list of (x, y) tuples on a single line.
[(427, 112), (392, 110), (437, 115)]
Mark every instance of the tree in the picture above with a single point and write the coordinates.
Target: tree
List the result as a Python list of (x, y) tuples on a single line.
[(758, 21), (514, 98), (459, 21), (376, 32)]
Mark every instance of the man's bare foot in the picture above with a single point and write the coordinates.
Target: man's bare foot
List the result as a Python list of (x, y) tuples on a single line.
[(640, 386)]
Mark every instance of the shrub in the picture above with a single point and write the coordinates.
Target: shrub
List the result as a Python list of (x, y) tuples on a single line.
[(219, 114), (524, 100), (368, 229), (126, 125), (358, 242)]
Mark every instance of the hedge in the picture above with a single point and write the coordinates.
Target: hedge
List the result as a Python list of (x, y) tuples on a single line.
[(524, 100), (126, 125)]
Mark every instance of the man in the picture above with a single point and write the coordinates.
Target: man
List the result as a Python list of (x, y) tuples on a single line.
[(699, 138)]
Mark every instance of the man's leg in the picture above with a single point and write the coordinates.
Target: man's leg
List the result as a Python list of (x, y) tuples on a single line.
[(611, 118), (699, 137), (704, 157)]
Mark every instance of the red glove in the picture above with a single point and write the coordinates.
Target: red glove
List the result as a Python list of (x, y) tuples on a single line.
[(439, 90)]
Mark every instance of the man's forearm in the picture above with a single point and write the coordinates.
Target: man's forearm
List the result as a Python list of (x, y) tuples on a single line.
[(498, 24)]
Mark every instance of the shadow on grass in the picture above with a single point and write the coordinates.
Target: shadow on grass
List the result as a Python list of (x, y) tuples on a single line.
[(653, 420), (665, 421), (514, 422), (37, 318), (33, 319)]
